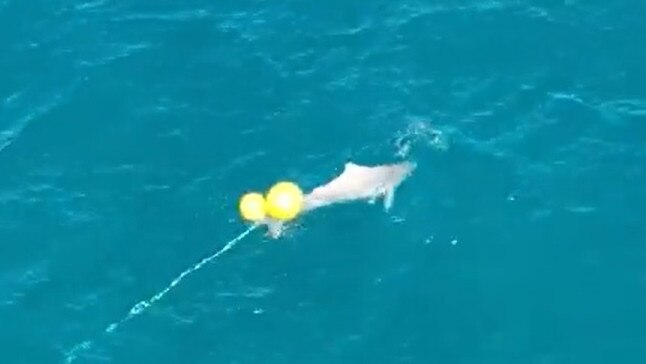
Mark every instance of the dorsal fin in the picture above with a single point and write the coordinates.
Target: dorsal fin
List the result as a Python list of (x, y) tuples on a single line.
[(350, 166), (353, 168)]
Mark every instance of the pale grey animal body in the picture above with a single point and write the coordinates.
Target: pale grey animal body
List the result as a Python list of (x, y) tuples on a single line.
[(356, 182), (359, 182)]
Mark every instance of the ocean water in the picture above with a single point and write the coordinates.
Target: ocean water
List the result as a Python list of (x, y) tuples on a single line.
[(130, 128)]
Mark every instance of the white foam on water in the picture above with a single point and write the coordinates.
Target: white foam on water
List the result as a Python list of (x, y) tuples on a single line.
[(420, 132)]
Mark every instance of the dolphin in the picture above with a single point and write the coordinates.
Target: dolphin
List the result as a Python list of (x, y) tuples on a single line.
[(355, 183), (358, 182)]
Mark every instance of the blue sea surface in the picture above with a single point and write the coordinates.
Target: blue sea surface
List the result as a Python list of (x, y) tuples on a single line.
[(129, 129)]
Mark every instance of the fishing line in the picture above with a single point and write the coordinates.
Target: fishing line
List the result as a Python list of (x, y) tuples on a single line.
[(143, 305)]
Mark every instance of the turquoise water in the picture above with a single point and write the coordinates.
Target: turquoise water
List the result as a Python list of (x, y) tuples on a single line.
[(129, 129)]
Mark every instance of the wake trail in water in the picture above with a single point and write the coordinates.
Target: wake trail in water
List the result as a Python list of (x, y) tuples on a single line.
[(142, 306)]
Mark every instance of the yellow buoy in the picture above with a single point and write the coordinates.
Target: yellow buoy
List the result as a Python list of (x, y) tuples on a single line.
[(284, 201), (253, 207)]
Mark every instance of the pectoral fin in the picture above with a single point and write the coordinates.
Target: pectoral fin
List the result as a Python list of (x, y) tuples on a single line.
[(389, 198)]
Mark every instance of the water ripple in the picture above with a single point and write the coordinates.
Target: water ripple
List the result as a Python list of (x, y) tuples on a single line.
[(175, 16), (112, 52), (626, 107), (14, 285), (90, 5), (10, 134)]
